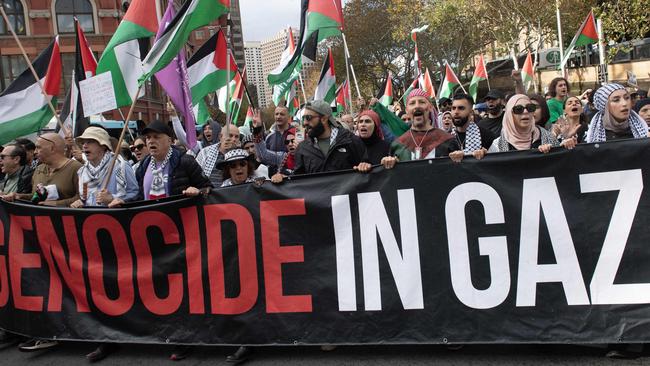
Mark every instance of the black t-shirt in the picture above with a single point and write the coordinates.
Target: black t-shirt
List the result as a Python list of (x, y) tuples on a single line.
[(458, 142), (492, 124)]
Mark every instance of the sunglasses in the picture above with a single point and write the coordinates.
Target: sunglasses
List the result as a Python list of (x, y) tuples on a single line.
[(519, 109), (308, 117), (288, 141), (137, 147), (241, 163)]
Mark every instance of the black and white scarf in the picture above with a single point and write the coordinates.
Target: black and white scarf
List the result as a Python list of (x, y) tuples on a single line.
[(473, 140), (158, 178), (546, 137), (596, 132)]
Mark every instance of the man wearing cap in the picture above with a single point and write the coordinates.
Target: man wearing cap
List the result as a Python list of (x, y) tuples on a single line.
[(209, 156), (495, 101), (329, 146), (423, 140), (96, 146), (167, 171), (469, 138)]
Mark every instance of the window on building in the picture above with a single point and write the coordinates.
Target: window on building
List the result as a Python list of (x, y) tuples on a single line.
[(66, 10), (12, 66), (16, 15)]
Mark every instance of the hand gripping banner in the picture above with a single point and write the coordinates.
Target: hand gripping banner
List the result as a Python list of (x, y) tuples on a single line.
[(517, 247)]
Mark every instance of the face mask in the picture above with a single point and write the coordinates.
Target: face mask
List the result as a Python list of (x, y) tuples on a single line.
[(317, 130)]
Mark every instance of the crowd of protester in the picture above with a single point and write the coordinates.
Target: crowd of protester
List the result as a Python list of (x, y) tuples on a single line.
[(78, 173)]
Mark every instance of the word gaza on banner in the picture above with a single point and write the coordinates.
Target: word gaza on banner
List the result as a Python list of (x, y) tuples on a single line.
[(517, 247)]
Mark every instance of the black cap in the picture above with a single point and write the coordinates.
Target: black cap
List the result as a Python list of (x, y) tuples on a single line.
[(494, 94), (158, 126), (444, 100)]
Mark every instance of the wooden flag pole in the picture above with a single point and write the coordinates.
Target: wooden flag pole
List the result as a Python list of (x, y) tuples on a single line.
[(116, 154), (31, 68)]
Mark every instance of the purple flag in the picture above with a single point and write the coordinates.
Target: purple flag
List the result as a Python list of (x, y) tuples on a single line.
[(174, 81)]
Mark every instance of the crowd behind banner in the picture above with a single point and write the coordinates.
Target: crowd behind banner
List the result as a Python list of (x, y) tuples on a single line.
[(79, 173)]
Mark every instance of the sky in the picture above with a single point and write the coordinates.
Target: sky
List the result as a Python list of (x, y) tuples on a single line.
[(262, 19)]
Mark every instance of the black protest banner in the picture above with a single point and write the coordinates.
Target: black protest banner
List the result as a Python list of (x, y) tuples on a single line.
[(518, 247)]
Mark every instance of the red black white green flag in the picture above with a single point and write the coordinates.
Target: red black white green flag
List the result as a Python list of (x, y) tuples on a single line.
[(528, 72), (386, 93), (586, 35), (480, 74)]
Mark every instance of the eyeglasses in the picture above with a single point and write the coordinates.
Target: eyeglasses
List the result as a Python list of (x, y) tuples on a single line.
[(137, 147), (288, 141), (241, 163), (519, 109), (308, 117)]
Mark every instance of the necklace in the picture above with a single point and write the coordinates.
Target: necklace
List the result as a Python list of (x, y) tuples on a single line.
[(418, 148)]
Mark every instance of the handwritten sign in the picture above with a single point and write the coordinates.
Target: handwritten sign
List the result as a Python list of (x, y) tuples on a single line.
[(97, 94)]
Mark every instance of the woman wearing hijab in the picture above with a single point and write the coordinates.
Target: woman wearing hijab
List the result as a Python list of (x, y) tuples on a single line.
[(447, 121), (615, 118), (520, 132), (642, 107), (573, 123), (379, 150)]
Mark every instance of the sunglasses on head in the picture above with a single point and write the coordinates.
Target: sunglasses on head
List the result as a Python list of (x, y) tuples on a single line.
[(137, 147), (308, 117), (519, 109)]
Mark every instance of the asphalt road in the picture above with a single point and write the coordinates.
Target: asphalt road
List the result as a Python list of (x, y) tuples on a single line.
[(502, 355)]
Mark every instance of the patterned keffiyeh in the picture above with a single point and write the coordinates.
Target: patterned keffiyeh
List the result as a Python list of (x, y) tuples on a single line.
[(158, 177), (596, 132), (546, 137), (472, 139)]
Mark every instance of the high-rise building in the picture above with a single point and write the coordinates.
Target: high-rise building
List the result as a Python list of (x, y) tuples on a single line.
[(236, 35), (272, 49), (254, 71)]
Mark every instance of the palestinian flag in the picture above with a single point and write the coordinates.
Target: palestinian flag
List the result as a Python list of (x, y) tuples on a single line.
[(23, 107), (292, 100), (449, 83), (280, 90), (480, 74), (319, 20), (207, 69), (342, 100), (201, 113), (427, 84), (414, 38), (528, 72), (192, 15), (124, 52), (236, 93), (586, 35), (386, 94), (248, 121), (326, 88), (72, 113), (414, 85)]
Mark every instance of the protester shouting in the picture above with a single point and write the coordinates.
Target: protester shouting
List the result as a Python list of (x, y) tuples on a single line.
[(520, 132), (494, 100), (615, 118), (329, 146), (96, 145), (423, 140), (379, 150), (447, 121), (469, 138), (238, 168), (208, 157), (559, 90), (572, 123)]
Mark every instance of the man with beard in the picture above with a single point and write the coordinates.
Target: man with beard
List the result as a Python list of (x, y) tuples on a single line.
[(329, 146), (423, 140), (469, 139), (495, 103)]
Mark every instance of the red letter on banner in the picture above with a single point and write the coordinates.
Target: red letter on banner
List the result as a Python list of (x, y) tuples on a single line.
[(71, 270), (19, 260), (214, 215), (4, 281), (123, 271), (139, 225), (193, 258), (274, 255)]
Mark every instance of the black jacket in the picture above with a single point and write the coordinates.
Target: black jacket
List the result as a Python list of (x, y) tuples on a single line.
[(346, 153), (184, 172)]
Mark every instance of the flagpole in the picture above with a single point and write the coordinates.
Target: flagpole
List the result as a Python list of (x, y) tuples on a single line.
[(347, 73), (31, 68), (302, 87), (354, 76), (559, 34), (228, 121), (124, 119), (601, 48), (119, 141)]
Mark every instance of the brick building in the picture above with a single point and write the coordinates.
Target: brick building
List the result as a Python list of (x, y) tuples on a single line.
[(38, 21)]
